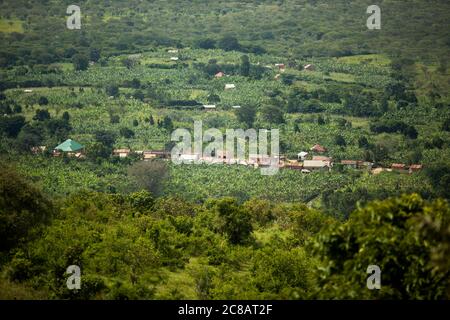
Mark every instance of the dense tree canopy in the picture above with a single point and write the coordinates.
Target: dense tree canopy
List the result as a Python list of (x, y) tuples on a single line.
[(150, 229), (23, 208), (389, 234)]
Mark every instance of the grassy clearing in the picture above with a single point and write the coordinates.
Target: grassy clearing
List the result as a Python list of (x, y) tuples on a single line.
[(370, 59), (432, 78), (9, 26), (13, 291), (179, 284), (342, 77)]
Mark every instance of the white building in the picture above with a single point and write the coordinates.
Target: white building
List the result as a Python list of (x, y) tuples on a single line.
[(302, 155), (316, 165), (209, 107), (309, 67), (229, 86), (189, 158), (122, 153)]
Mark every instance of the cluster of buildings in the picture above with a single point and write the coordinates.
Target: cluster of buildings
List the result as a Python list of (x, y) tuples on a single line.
[(306, 162), (230, 86), (144, 155), (400, 167)]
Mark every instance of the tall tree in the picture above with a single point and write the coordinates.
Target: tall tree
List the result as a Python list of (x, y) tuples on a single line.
[(245, 66), (22, 208), (229, 43), (112, 90), (10, 126), (80, 62), (246, 114), (150, 175), (94, 54), (235, 220), (272, 114), (391, 235)]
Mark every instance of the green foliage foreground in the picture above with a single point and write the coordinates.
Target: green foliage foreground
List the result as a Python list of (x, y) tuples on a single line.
[(140, 247)]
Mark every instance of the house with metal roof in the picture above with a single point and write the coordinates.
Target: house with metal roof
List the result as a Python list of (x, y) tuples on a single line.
[(69, 147)]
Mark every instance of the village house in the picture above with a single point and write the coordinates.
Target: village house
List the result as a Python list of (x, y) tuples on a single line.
[(172, 51), (263, 160), (253, 160), (174, 59), (236, 107), (398, 167), (327, 160), (154, 154), (322, 158), (318, 148), (28, 91), (229, 86), (218, 158), (268, 161), (378, 170), (219, 74), (209, 107), (188, 158), (350, 163), (302, 155), (415, 168), (70, 148), (365, 165), (316, 165), (121, 153), (281, 66), (293, 164), (309, 67)]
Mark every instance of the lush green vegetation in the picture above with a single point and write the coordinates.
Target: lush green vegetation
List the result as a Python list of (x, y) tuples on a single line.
[(290, 28), (138, 247), (156, 230)]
